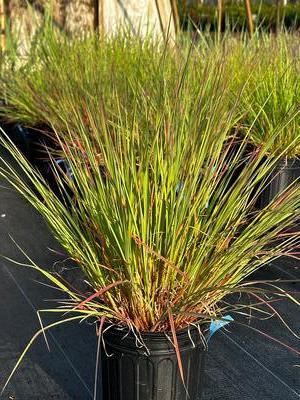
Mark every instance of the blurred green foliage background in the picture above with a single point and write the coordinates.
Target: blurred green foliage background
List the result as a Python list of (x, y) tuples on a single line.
[(265, 14)]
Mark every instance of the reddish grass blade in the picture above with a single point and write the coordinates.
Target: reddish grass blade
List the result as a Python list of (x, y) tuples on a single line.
[(176, 345), (99, 293)]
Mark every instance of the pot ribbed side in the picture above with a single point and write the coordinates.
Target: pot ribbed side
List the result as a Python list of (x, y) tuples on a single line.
[(285, 173), (131, 374)]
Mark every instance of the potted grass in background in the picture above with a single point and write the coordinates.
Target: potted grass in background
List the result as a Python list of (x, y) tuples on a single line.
[(160, 232), (101, 67), (10, 63), (272, 100), (98, 65)]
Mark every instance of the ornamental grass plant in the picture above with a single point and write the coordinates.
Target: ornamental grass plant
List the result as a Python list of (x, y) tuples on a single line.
[(272, 96), (100, 66), (150, 213), (268, 67), (95, 65)]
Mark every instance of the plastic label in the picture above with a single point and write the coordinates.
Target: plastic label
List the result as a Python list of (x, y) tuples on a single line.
[(218, 324)]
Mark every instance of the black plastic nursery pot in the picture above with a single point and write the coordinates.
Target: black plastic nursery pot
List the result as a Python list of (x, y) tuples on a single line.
[(131, 371), (34, 144), (20, 136), (285, 173), (31, 141)]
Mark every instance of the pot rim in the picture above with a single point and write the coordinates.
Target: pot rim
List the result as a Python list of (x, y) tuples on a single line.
[(125, 332)]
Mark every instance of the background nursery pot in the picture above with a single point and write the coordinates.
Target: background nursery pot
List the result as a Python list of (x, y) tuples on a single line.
[(129, 373), (21, 137), (286, 172)]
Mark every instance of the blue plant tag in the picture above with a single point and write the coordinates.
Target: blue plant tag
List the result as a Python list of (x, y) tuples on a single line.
[(218, 324)]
